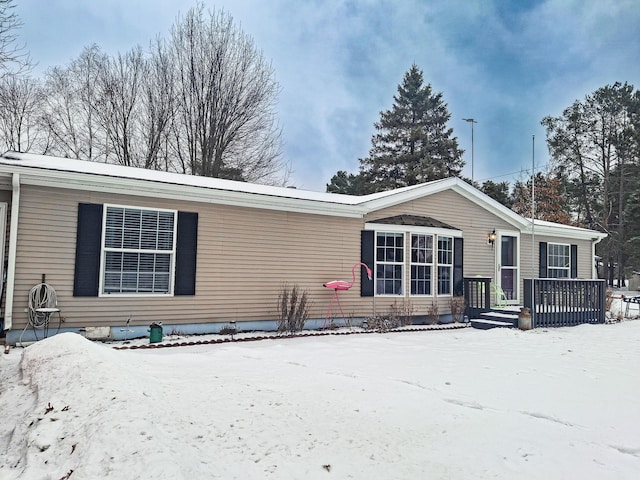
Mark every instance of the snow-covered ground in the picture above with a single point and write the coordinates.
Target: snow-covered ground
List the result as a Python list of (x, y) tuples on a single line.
[(452, 404)]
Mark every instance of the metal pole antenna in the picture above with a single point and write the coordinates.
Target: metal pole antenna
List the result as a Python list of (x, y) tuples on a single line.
[(471, 121), (533, 224)]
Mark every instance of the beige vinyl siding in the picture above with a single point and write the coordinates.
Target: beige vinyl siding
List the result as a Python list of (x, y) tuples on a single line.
[(453, 209), (476, 223), (245, 256), (585, 254)]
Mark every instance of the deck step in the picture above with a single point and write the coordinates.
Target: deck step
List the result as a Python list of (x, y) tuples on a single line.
[(486, 324), (500, 315), (511, 319)]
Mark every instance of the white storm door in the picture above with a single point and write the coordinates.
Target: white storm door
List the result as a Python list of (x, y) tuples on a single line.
[(508, 265)]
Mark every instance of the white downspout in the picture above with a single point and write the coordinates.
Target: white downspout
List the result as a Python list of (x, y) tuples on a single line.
[(11, 263), (594, 266)]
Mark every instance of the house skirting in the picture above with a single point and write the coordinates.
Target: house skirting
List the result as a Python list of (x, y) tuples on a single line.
[(122, 332)]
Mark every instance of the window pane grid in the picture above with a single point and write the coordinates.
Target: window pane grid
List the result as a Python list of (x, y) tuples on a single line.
[(444, 280), (558, 260), (429, 260), (138, 250), (389, 263), (421, 264), (445, 265)]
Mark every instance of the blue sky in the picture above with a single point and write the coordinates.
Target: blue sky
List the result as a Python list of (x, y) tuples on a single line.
[(507, 64)]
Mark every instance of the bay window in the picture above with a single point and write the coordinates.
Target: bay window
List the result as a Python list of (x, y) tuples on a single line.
[(415, 263)]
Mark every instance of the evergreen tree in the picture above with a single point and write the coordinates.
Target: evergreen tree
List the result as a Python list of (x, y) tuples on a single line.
[(498, 191), (413, 143), (346, 183), (594, 145), (632, 214)]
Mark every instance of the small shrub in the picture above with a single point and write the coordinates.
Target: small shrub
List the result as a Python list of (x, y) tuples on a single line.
[(433, 313), (227, 330), (293, 309), (380, 323), (608, 299), (457, 308), (401, 314)]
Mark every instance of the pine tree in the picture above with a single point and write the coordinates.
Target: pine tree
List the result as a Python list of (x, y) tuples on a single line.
[(347, 183), (413, 143), (498, 191), (594, 145)]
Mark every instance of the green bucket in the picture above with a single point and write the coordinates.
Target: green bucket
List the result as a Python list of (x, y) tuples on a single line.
[(155, 333)]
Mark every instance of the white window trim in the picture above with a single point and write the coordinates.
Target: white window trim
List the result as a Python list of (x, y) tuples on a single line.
[(549, 267), (172, 262), (437, 265), (403, 263), (406, 265), (498, 261), (432, 265)]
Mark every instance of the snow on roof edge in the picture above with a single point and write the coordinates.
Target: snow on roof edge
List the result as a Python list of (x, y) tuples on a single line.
[(46, 162)]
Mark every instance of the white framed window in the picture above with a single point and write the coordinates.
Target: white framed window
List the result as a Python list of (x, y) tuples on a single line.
[(412, 260), (421, 264), (138, 250), (445, 265), (558, 260), (389, 271)]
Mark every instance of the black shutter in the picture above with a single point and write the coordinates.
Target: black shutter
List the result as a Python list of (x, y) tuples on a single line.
[(88, 242), (367, 242), (543, 260), (458, 280), (574, 261), (186, 253)]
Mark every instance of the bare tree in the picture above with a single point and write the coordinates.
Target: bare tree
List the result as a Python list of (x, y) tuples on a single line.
[(72, 97), (120, 84), (13, 59), (201, 102), (158, 110), (226, 92), (21, 99)]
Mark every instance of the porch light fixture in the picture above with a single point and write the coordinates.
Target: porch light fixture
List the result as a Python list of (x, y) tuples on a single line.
[(491, 238)]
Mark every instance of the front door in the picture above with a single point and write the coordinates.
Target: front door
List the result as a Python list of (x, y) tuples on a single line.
[(508, 265)]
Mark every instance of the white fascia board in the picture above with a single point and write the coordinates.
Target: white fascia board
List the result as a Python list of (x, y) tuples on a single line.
[(406, 195), (485, 201), (565, 231), (455, 184), (161, 190), (522, 223), (387, 227)]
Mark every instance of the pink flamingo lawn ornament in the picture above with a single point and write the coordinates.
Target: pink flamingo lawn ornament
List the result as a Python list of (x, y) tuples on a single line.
[(337, 285)]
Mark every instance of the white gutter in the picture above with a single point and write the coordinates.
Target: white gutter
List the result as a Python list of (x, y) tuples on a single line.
[(155, 189), (11, 263)]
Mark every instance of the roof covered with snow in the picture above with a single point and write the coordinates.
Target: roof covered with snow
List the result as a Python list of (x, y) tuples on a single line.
[(97, 176), (108, 170)]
